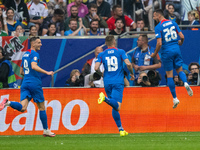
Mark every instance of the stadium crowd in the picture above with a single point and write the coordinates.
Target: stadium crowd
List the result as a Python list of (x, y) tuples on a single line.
[(99, 17), (42, 13)]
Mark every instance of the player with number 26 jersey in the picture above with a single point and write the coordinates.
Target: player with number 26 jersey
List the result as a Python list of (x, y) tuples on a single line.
[(167, 30)]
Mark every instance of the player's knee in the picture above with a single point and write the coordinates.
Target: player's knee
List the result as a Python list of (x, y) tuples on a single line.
[(23, 109), (119, 108)]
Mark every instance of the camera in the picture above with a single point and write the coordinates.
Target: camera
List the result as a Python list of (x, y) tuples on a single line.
[(154, 77), (92, 77), (195, 79), (144, 78), (95, 76)]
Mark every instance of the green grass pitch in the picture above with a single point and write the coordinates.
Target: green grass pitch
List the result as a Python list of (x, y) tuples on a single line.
[(137, 141)]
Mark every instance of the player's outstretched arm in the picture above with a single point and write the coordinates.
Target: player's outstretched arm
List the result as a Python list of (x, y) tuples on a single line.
[(158, 46), (97, 65), (130, 68), (35, 67), (180, 42)]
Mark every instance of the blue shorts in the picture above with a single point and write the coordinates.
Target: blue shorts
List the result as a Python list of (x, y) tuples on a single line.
[(29, 90), (115, 91), (172, 59)]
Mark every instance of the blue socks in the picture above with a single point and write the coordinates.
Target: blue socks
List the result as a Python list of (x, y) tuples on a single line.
[(182, 76), (117, 119), (170, 83), (43, 118), (112, 103), (16, 105)]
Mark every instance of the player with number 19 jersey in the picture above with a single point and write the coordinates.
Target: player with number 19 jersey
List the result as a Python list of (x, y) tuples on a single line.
[(112, 59), (170, 52)]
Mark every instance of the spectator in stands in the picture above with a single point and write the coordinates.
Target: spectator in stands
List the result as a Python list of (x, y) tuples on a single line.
[(119, 27), (82, 9), (141, 59), (88, 69), (188, 5), (93, 15), (94, 25), (74, 14), (73, 28), (21, 11), (75, 80), (192, 21), (148, 10), (178, 81), (139, 25), (33, 31), (56, 4), (171, 15), (103, 8), (7, 77), (176, 4), (11, 23), (18, 32), (117, 13), (52, 30), (2, 32), (3, 21), (57, 19), (37, 11), (143, 80), (194, 78)]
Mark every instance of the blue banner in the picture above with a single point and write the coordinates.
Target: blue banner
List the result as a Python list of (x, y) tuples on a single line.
[(56, 53)]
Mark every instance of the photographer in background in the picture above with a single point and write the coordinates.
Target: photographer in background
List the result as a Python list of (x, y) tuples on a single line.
[(193, 78), (88, 69), (143, 80), (75, 80)]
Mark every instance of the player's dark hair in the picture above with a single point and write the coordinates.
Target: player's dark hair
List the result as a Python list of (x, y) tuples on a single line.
[(159, 11), (144, 37), (119, 19), (193, 63), (32, 39), (74, 6), (58, 12), (109, 40), (115, 7), (92, 5)]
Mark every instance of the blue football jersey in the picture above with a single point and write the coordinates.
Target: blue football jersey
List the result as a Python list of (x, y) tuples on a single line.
[(112, 59), (167, 30), (30, 75)]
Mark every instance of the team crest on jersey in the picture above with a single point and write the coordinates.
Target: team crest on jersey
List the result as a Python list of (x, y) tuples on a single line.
[(35, 58)]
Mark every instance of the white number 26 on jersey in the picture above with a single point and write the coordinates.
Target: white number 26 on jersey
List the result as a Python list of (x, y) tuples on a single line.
[(170, 34), (112, 63)]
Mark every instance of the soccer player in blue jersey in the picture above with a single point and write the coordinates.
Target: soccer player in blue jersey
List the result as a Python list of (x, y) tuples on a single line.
[(31, 86), (167, 40), (112, 59)]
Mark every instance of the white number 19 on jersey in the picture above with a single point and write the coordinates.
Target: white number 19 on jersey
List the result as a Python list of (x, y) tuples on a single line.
[(112, 63)]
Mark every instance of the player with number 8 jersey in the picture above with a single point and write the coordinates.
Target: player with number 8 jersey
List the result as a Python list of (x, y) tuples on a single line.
[(31, 86), (112, 59), (167, 33)]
